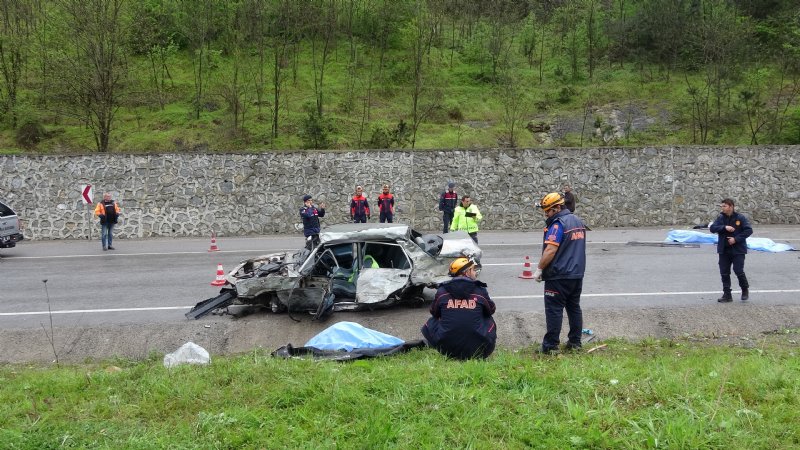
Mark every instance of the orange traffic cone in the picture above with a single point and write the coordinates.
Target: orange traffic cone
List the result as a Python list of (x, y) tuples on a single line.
[(214, 247), (526, 269), (220, 281)]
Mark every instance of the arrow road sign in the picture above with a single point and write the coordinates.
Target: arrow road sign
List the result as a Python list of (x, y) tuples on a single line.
[(86, 195)]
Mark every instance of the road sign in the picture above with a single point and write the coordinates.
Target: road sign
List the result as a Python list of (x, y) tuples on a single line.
[(86, 194)]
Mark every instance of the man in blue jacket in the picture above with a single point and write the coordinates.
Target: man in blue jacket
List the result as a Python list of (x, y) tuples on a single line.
[(461, 324), (310, 215), (561, 266), (733, 230)]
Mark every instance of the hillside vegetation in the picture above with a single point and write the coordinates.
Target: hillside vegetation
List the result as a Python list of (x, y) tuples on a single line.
[(219, 75)]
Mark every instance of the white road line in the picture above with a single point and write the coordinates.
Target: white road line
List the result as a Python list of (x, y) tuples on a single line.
[(652, 294), (499, 297), (83, 311), (150, 254), (539, 243)]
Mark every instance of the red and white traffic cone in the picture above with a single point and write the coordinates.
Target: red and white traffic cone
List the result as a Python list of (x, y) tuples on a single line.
[(220, 281), (526, 269), (214, 247)]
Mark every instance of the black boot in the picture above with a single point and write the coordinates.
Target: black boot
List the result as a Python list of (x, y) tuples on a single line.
[(745, 286), (726, 297)]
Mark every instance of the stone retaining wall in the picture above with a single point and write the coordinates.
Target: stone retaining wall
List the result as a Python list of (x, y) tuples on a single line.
[(238, 194)]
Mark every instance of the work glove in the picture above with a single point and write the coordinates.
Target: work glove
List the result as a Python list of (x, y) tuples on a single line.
[(368, 217), (538, 275)]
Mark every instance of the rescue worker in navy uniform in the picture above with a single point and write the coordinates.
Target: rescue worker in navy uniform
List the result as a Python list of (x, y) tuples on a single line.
[(448, 200), (562, 266), (461, 325), (733, 230), (359, 207), (310, 215), (386, 205)]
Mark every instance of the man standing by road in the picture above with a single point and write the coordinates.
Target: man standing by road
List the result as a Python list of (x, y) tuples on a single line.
[(733, 230), (466, 218), (108, 211), (569, 198), (310, 215), (461, 324), (386, 205), (448, 201), (359, 207), (561, 266)]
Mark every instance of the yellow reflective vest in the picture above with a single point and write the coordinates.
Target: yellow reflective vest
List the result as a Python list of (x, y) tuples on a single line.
[(462, 222)]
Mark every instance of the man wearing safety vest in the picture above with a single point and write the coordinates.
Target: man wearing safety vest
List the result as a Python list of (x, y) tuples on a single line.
[(466, 217)]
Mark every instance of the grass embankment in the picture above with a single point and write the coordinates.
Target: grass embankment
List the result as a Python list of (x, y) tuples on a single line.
[(675, 394)]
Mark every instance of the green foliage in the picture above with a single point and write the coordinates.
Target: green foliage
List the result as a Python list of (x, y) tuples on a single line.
[(242, 70), (388, 137), (29, 134), (652, 394), (316, 130)]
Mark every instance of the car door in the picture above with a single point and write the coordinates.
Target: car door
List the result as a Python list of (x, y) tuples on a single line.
[(386, 271)]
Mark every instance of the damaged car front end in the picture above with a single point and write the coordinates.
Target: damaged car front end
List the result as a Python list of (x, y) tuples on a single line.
[(354, 267)]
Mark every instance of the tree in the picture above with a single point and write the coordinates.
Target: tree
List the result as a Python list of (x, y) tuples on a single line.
[(18, 19), (516, 101), (154, 22), (323, 33), (425, 98), (198, 18), (93, 62), (234, 78)]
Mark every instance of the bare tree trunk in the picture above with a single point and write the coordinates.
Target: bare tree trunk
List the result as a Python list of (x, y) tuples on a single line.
[(96, 67)]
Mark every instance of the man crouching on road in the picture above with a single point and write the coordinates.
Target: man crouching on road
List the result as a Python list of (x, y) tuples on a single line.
[(461, 325), (561, 267)]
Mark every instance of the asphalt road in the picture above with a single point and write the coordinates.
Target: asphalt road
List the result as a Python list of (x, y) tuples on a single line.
[(147, 285)]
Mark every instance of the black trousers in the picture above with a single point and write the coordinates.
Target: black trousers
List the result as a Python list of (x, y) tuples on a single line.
[(726, 260), (447, 219), (386, 217), (360, 219), (312, 241), (560, 295)]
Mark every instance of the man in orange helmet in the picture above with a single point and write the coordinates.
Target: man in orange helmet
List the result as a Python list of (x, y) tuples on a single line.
[(461, 324), (561, 266)]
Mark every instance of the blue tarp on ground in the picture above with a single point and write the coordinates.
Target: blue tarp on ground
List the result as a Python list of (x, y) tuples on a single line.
[(698, 237), (350, 335)]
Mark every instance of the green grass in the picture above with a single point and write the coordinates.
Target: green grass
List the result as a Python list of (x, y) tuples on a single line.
[(651, 394)]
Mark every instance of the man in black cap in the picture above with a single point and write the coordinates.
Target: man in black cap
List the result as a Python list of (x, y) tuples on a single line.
[(311, 214), (448, 201)]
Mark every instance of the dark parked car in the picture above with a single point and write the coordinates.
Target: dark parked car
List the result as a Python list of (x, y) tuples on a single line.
[(355, 266), (10, 227)]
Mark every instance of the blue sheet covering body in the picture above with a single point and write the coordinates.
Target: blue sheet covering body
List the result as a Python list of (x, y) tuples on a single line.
[(698, 237), (350, 335)]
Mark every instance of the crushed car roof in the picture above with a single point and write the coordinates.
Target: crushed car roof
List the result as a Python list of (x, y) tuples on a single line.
[(364, 231)]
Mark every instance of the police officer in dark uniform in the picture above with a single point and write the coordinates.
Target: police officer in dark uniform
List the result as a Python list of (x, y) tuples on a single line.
[(461, 324), (733, 230), (310, 215), (561, 266)]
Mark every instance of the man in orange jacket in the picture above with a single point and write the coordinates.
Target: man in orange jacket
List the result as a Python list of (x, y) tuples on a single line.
[(108, 211)]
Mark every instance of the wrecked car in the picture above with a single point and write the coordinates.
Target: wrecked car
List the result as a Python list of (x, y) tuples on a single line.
[(355, 266)]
